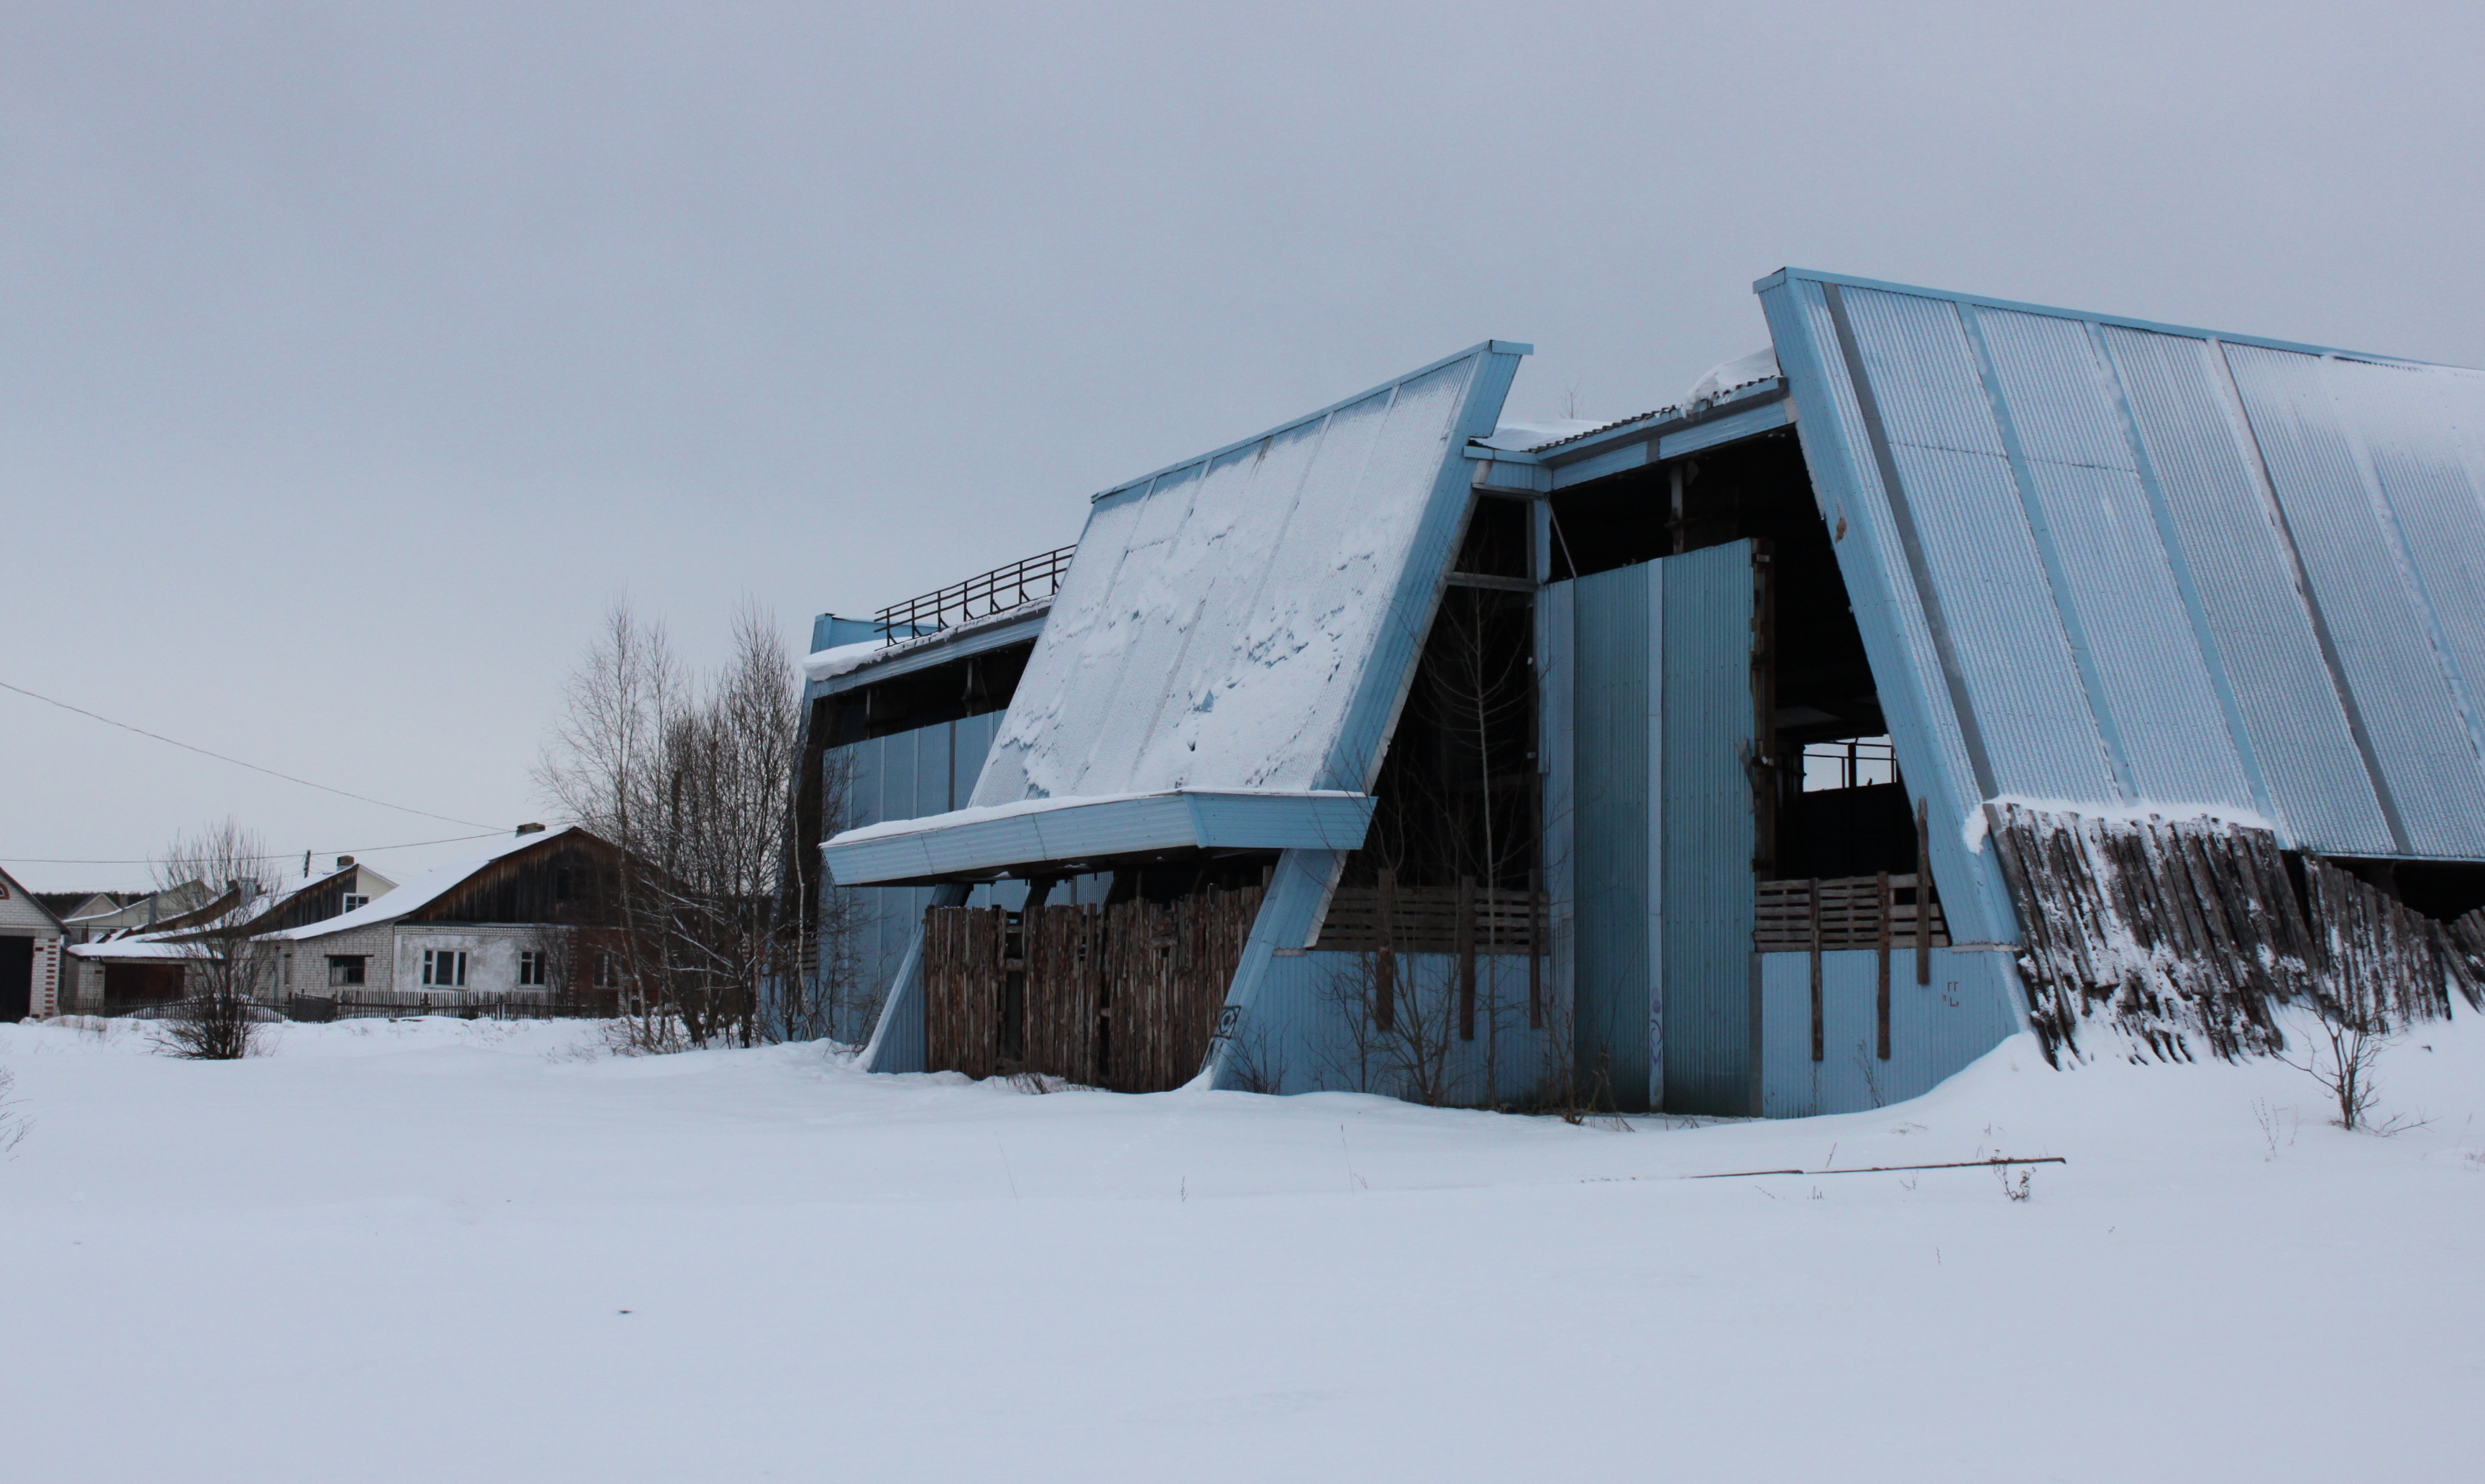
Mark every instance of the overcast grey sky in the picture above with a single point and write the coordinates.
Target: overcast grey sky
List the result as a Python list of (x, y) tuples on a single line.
[(353, 358)]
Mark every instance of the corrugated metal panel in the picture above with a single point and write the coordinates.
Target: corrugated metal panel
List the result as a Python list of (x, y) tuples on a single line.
[(1706, 840), (2261, 634), (1613, 825), (1935, 1029), (2150, 684), (2378, 626), (2021, 678), (2130, 562), (2410, 423), (1297, 1035)]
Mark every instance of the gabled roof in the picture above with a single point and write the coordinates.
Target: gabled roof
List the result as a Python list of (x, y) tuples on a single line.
[(425, 888), (10, 887)]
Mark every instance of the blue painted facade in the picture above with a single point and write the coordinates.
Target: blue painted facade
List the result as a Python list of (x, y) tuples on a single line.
[(2090, 560)]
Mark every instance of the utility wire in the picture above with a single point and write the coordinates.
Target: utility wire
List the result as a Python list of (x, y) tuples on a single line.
[(281, 855), (237, 763)]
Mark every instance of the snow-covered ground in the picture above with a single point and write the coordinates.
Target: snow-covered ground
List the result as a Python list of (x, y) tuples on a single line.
[(431, 1250)]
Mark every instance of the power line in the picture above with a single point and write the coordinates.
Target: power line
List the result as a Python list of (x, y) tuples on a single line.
[(237, 763), (281, 855)]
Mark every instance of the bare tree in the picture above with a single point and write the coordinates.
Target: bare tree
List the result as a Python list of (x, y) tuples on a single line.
[(1408, 1053), (2356, 1043), (689, 776), (226, 981)]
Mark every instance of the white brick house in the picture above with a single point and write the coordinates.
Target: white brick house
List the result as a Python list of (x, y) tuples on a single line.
[(498, 925), (30, 954)]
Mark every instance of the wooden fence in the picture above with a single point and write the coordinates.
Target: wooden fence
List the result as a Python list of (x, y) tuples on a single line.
[(1124, 996), (1427, 920), (1846, 911)]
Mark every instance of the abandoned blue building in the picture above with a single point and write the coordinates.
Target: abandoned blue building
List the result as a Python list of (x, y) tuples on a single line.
[(1660, 764)]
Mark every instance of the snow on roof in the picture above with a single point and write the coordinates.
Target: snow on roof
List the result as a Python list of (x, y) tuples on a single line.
[(980, 814), (1519, 437), (843, 659), (1725, 376), (140, 947), (420, 890), (1226, 617), (1721, 380)]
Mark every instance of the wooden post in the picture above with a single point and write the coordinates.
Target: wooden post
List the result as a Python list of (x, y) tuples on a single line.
[(1465, 940), (1881, 994), (1819, 1033), (1923, 898), (1384, 954)]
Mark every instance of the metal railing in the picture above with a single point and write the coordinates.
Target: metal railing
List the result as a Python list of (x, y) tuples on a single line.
[(1848, 763), (980, 596)]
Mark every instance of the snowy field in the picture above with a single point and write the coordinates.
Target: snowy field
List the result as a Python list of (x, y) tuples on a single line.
[(432, 1250)]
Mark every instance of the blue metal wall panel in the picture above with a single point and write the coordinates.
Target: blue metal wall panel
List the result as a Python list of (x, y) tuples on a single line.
[(1613, 703), (1935, 1029), (1706, 834), (2378, 627), (1300, 1037)]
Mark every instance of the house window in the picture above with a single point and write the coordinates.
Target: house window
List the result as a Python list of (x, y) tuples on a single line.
[(345, 969), (607, 970), (444, 968), (353, 901), (531, 969)]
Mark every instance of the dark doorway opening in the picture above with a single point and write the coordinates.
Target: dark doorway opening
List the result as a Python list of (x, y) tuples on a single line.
[(16, 977)]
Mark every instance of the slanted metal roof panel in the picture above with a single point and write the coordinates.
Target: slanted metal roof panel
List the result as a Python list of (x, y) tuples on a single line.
[(2253, 625), (2157, 710), (1248, 621), (2378, 624), (2103, 561)]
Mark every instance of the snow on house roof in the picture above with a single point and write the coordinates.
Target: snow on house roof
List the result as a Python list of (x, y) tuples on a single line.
[(150, 947), (422, 889)]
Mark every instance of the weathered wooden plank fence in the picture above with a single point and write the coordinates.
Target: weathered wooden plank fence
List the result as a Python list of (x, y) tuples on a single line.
[(2181, 930), (1124, 995)]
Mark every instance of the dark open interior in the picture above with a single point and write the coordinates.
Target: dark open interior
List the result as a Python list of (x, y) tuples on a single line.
[(1812, 682), (969, 686), (1456, 798), (2441, 890)]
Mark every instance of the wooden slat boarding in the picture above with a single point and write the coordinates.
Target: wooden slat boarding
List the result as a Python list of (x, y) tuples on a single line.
[(1122, 996), (2179, 930), (1425, 920), (963, 983), (1848, 910)]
